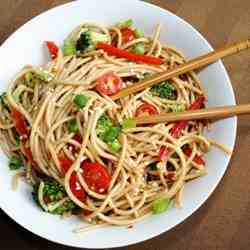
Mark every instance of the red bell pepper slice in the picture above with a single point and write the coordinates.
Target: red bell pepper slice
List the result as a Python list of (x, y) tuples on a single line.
[(111, 50), (19, 122), (179, 126), (53, 49), (197, 159)]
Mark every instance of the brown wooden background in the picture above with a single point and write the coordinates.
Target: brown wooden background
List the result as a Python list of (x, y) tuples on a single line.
[(223, 222)]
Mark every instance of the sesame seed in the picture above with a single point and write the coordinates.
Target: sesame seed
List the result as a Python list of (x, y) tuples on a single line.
[(154, 184)]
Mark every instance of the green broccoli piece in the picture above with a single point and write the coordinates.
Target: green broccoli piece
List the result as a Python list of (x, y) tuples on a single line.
[(88, 40), (104, 123), (164, 90), (66, 206), (53, 192), (15, 162), (108, 132), (112, 134), (3, 100)]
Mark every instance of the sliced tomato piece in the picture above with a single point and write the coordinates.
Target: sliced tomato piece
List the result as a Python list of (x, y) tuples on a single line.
[(65, 162), (53, 49), (96, 176), (146, 109), (127, 35), (76, 188), (197, 159), (109, 84), (20, 122)]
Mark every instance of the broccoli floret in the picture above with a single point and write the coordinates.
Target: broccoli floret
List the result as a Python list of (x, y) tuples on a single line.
[(112, 134), (88, 40), (104, 123), (15, 162), (66, 206), (53, 192), (164, 90), (109, 132), (3, 100)]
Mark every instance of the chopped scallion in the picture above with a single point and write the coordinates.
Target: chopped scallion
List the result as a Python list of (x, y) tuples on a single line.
[(126, 24), (115, 146), (81, 100), (111, 134), (160, 205), (69, 47), (138, 49), (129, 123), (72, 126), (138, 33)]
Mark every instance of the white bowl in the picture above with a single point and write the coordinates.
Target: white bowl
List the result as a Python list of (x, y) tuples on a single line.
[(25, 47)]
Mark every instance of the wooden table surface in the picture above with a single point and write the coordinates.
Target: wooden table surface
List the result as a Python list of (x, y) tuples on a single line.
[(223, 222)]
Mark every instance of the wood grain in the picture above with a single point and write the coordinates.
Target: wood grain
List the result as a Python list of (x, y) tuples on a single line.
[(214, 113), (222, 223), (193, 64)]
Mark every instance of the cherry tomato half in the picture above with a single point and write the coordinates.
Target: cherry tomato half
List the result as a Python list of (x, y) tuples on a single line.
[(146, 109), (109, 83), (96, 176), (53, 49), (20, 122), (76, 188), (127, 35)]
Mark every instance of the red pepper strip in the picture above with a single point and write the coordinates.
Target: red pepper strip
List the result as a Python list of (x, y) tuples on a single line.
[(111, 50), (53, 49), (20, 123), (163, 153), (197, 159), (179, 126)]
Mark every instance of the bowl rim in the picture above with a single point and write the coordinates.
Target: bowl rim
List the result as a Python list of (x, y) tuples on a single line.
[(208, 194)]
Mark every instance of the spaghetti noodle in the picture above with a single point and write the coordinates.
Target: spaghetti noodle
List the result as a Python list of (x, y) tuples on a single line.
[(60, 121)]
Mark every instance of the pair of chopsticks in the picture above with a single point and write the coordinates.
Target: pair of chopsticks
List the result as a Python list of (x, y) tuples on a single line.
[(196, 63)]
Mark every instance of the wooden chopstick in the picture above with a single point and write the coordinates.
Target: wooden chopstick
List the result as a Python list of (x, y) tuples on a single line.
[(206, 113), (195, 63)]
